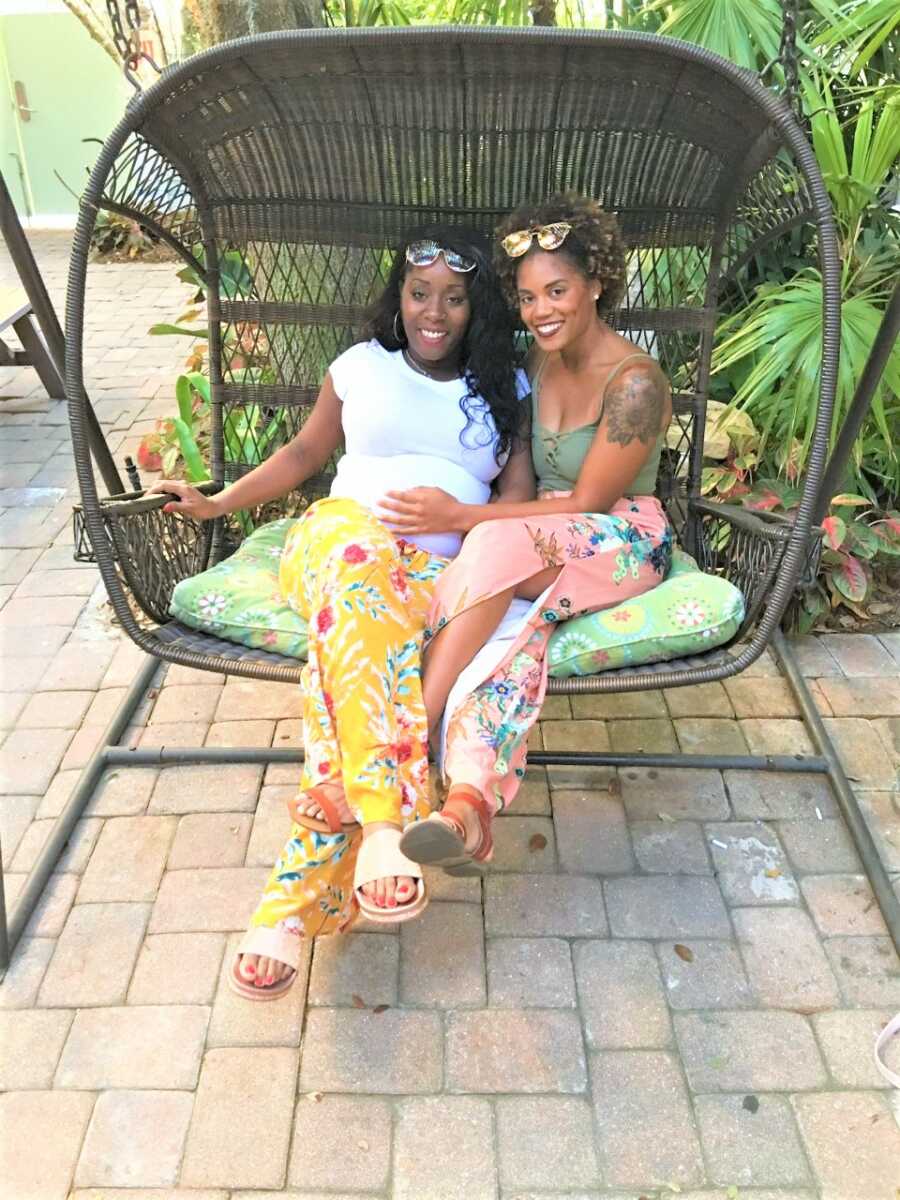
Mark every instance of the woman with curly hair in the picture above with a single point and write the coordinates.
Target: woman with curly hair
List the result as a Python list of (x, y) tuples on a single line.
[(594, 536), (430, 396)]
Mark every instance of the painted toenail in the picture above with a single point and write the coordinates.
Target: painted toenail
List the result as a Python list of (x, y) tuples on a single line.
[(250, 970), (270, 979)]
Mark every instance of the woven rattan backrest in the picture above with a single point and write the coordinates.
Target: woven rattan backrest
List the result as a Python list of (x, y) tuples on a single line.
[(313, 155)]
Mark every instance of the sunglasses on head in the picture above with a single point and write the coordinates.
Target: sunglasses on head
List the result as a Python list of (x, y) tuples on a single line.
[(549, 237), (424, 253)]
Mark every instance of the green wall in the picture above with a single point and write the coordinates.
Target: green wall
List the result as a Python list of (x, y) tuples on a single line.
[(76, 92)]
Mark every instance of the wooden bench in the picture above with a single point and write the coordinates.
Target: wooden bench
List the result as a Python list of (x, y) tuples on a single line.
[(16, 312)]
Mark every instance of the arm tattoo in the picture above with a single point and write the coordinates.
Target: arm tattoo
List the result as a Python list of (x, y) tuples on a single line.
[(634, 407)]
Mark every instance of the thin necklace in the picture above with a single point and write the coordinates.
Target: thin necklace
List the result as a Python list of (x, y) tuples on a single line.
[(410, 361)]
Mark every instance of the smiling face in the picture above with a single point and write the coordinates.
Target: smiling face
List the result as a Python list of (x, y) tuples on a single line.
[(556, 300), (435, 310)]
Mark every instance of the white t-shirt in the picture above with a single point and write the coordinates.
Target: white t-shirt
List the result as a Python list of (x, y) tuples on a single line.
[(403, 430)]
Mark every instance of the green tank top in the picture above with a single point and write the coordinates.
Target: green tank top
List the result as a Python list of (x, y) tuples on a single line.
[(558, 456)]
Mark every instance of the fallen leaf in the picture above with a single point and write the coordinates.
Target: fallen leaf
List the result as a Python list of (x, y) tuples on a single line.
[(685, 953), (380, 1008), (614, 786), (666, 817), (537, 841), (314, 1096), (732, 1192), (772, 873), (363, 1144), (358, 1001), (750, 1104)]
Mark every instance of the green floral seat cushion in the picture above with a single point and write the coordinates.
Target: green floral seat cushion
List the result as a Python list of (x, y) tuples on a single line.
[(239, 599), (687, 614)]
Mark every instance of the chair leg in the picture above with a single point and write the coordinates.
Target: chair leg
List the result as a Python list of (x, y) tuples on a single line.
[(39, 357)]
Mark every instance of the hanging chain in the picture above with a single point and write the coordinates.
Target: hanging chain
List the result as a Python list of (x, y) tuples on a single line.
[(128, 44), (787, 55)]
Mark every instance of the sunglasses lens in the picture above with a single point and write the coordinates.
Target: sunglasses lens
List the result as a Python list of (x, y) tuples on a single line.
[(515, 244), (458, 262), (422, 254), (551, 237)]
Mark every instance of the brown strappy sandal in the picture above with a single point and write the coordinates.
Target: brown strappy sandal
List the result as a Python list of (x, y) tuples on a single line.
[(440, 840), (332, 822)]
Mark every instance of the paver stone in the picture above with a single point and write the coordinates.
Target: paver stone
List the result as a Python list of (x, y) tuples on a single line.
[(443, 1150), (31, 1042), (135, 1139), (250, 1094), (832, 1122), (25, 1119), (120, 1048), (530, 973), (349, 1050), (546, 1141), (786, 965), (364, 1157), (622, 1002), (94, 956), (499, 1050), (442, 958), (591, 833), (644, 1122), (748, 1052), (751, 1140)]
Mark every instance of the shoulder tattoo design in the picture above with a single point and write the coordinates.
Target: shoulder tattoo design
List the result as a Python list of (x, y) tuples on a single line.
[(634, 407)]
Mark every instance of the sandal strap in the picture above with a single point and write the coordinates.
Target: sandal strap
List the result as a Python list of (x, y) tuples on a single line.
[(485, 819), (268, 941), (380, 857), (329, 808)]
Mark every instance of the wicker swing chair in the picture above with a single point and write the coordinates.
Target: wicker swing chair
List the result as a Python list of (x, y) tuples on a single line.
[(310, 153)]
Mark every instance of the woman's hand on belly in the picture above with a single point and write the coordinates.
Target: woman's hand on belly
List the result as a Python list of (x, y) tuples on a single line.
[(421, 510)]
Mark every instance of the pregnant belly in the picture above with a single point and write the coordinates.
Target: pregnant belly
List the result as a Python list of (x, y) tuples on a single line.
[(366, 479)]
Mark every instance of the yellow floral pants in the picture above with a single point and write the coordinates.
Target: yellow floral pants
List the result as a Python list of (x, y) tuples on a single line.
[(365, 595)]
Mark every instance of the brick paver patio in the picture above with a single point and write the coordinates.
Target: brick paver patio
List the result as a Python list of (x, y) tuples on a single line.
[(673, 991)]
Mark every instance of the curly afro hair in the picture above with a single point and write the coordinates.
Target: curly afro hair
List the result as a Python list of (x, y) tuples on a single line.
[(594, 246)]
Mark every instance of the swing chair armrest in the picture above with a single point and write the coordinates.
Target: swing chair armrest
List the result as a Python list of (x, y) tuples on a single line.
[(152, 550), (132, 504), (747, 547), (767, 525)]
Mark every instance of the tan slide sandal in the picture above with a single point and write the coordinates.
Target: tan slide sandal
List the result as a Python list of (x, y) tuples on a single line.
[(380, 857), (267, 943)]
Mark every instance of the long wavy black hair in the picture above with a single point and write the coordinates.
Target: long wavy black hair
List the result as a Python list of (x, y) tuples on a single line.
[(487, 352)]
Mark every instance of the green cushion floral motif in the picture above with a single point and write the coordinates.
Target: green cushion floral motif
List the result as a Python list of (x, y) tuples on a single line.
[(687, 614), (240, 600)]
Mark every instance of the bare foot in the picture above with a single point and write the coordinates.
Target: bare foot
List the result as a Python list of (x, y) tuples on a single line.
[(262, 972), (391, 891)]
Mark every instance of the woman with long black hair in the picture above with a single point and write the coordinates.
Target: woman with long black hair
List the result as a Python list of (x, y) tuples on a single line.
[(430, 397)]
